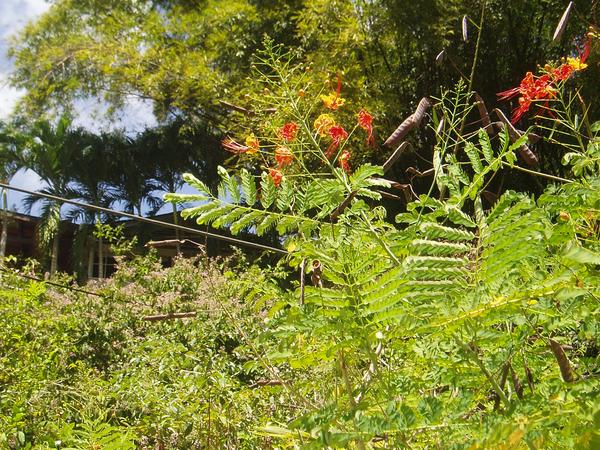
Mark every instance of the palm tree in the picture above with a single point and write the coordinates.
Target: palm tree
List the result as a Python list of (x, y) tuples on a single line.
[(91, 186), (131, 175), (172, 153), (50, 155)]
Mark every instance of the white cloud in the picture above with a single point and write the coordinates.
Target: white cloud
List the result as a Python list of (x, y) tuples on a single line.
[(134, 117), (8, 97)]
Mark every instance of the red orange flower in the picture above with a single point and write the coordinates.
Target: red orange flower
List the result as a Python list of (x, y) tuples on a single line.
[(283, 156), (332, 101), (365, 121), (563, 72), (323, 123), (531, 89), (338, 135), (276, 176), (344, 161), (288, 131), (534, 88)]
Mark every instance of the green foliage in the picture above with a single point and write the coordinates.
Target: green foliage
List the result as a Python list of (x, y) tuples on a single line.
[(471, 322), (120, 245), (471, 326), (86, 372)]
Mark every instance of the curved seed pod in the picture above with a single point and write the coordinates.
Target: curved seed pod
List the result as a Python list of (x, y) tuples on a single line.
[(401, 132), (501, 384), (489, 196), (483, 113), (562, 24), (532, 137), (422, 108), (566, 370), (440, 127), (514, 134), (412, 121), (516, 383), (528, 374), (465, 32), (340, 209)]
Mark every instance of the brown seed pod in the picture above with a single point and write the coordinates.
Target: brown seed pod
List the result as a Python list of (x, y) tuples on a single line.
[(412, 121), (527, 155), (562, 24), (483, 113), (516, 383), (315, 276), (564, 365)]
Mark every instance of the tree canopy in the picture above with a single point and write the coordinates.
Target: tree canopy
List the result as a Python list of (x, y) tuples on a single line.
[(185, 56)]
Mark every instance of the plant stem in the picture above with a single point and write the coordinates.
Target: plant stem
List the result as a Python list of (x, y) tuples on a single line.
[(476, 55), (485, 372), (344, 371), (539, 174)]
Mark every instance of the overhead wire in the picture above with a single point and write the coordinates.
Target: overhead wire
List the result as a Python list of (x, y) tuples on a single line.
[(235, 241), (52, 283)]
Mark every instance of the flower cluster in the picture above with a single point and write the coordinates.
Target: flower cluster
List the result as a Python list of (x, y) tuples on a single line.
[(325, 127), (543, 87)]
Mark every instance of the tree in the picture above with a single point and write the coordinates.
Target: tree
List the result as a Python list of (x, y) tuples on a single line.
[(184, 57), (179, 55), (90, 182), (130, 174), (50, 151)]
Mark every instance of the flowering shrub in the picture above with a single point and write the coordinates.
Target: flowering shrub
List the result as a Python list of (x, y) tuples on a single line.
[(475, 322)]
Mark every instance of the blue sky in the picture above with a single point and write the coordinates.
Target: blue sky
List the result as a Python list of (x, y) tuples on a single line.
[(14, 15)]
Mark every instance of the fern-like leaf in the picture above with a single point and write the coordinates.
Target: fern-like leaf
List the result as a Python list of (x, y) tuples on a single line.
[(473, 155), (486, 146), (248, 187), (268, 191)]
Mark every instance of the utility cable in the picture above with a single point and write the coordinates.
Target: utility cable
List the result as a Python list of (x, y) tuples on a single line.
[(235, 241), (52, 283)]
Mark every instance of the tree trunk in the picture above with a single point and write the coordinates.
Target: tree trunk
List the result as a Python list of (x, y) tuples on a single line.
[(100, 258), (91, 256), (176, 222), (4, 233), (54, 258), (100, 251)]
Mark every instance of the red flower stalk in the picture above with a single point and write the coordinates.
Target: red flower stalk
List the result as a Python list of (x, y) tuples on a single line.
[(585, 51), (338, 135), (288, 131), (333, 100), (344, 161), (365, 121), (283, 156), (531, 89), (233, 146), (276, 176)]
